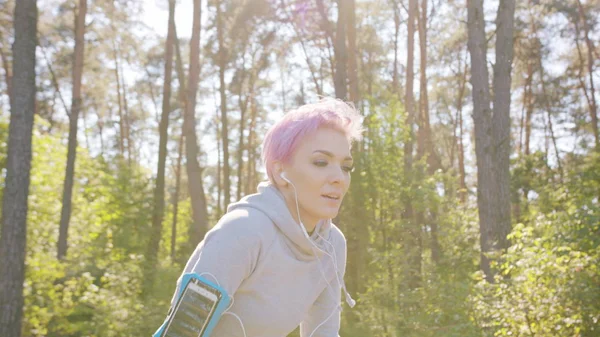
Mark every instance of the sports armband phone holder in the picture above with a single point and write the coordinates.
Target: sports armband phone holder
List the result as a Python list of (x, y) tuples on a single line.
[(197, 310)]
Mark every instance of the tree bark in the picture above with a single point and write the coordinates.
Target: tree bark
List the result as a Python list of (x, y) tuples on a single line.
[(329, 38), (395, 80), (243, 104), (412, 244), (159, 190), (352, 53), (219, 168), (492, 128), (120, 102), (13, 241), (590, 65), (251, 167), (501, 118), (65, 215), (176, 198), (424, 138), (529, 105), (549, 113), (183, 98), (461, 147), (339, 49), (223, 55), (127, 119), (194, 171)]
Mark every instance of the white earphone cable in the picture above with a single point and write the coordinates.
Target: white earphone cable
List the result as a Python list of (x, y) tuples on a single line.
[(334, 260)]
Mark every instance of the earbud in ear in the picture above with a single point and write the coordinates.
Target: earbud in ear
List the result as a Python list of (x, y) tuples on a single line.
[(283, 176)]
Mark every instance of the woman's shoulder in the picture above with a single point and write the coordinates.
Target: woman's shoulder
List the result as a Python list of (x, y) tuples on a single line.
[(337, 237), (248, 223)]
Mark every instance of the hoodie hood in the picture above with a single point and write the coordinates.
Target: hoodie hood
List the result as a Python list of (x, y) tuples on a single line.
[(271, 202)]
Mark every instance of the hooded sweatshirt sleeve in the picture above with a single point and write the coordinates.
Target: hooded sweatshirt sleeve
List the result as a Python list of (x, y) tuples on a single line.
[(229, 251), (324, 316)]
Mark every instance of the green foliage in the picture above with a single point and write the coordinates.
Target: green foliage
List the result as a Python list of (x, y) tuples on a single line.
[(548, 280), (548, 285), (387, 307), (96, 291)]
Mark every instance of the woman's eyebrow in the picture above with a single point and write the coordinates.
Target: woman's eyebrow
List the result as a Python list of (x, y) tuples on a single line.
[(329, 154)]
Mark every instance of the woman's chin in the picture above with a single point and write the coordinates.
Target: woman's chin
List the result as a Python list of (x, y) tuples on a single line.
[(329, 214)]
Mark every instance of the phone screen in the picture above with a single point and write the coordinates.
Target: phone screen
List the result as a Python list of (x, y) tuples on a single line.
[(193, 311)]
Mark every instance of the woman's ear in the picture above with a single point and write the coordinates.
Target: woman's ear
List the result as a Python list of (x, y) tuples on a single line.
[(277, 172)]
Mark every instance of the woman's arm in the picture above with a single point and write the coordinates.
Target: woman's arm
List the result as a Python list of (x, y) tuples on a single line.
[(229, 252), (324, 316)]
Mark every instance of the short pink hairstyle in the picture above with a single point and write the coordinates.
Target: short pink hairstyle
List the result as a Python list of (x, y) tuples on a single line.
[(283, 138)]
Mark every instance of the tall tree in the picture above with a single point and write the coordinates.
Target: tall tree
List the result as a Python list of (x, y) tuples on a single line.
[(183, 98), (119, 100), (176, 198), (492, 127), (65, 215), (352, 52), (222, 60), (340, 53), (461, 77), (13, 240), (593, 106), (412, 243), (159, 190), (194, 171), (395, 79), (424, 137)]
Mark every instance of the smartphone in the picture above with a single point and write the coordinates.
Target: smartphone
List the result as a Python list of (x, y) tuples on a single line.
[(196, 311)]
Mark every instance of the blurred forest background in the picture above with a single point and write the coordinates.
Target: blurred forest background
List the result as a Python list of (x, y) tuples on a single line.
[(474, 207)]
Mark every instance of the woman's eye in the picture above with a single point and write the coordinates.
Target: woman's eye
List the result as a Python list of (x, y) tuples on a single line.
[(348, 168), (320, 163)]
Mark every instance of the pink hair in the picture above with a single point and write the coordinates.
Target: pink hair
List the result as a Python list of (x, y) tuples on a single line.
[(283, 138)]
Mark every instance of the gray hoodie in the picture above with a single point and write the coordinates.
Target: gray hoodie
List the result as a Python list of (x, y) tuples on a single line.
[(278, 279)]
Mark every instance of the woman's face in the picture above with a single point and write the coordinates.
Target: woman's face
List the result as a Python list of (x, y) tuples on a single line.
[(320, 169)]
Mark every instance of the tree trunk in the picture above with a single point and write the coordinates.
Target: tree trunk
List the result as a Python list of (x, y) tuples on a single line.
[(492, 130), (159, 190), (424, 138), (127, 118), (395, 80), (219, 169), (65, 215), (339, 49), (590, 63), (194, 171), (120, 102), (183, 98), (250, 174), (329, 39), (176, 199), (549, 112), (223, 55), (501, 118), (352, 53), (243, 104), (529, 105), (461, 148), (412, 244), (13, 241)]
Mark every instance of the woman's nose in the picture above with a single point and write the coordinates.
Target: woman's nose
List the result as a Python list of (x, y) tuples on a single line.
[(338, 175)]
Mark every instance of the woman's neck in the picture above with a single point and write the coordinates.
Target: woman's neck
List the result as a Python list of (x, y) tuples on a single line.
[(309, 223)]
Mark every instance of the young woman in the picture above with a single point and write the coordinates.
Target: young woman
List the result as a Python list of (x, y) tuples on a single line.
[(276, 252)]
